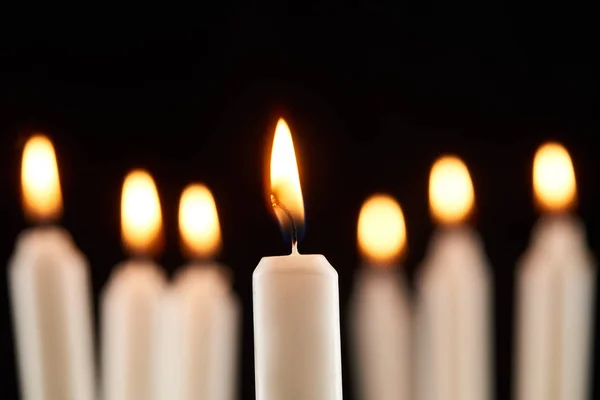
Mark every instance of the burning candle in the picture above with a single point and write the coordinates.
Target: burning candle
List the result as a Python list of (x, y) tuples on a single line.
[(198, 315), (555, 290), (453, 307), (131, 293), (50, 291), (296, 301), (381, 321)]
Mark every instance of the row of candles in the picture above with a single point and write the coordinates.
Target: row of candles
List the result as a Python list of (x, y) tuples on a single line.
[(159, 339), (178, 339), (439, 346)]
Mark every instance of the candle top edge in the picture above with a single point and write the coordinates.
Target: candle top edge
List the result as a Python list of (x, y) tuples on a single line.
[(558, 241), (458, 251), (135, 271), (199, 271), (297, 263), (294, 255), (44, 243)]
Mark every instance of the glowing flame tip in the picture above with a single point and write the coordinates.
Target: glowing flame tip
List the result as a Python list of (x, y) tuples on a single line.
[(554, 180), (40, 182), (286, 192), (199, 222), (141, 217), (451, 194), (381, 230)]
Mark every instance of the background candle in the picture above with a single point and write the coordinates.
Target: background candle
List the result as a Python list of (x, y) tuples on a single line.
[(555, 290), (296, 302), (453, 310), (381, 320), (130, 295), (196, 337), (50, 291)]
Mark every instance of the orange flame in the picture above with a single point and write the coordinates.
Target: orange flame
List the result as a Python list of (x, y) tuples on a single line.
[(285, 180), (40, 182), (199, 222), (451, 195), (381, 229), (141, 218), (554, 178)]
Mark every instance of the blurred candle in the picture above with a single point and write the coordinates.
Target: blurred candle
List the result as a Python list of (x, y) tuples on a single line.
[(296, 302), (381, 322), (131, 293), (555, 290), (198, 315), (453, 308), (50, 291)]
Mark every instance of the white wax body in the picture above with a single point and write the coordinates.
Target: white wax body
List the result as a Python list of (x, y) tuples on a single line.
[(297, 329), (381, 335), (556, 284), (51, 300), (453, 319), (127, 303), (196, 337)]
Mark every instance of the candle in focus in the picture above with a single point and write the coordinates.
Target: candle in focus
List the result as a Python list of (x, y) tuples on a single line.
[(50, 291), (296, 302), (555, 290), (131, 293), (197, 317), (453, 307), (381, 321)]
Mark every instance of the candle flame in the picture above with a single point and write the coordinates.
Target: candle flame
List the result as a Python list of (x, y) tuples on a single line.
[(554, 181), (451, 195), (141, 219), (381, 230), (199, 222), (286, 193), (42, 198)]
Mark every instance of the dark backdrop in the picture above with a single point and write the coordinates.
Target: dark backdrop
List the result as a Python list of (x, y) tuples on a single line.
[(373, 95)]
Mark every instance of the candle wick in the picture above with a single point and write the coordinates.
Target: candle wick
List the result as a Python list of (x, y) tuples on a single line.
[(293, 229), (295, 248)]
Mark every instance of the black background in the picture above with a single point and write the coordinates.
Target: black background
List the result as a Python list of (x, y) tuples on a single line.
[(373, 95)]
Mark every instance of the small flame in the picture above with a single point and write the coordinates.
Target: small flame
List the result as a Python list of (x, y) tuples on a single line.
[(141, 219), (451, 195), (42, 198), (286, 193), (554, 178), (381, 230), (199, 222)]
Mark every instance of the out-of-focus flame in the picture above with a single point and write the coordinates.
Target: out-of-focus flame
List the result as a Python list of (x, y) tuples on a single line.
[(381, 230), (554, 178), (40, 183), (141, 218), (286, 193), (451, 194), (199, 222)]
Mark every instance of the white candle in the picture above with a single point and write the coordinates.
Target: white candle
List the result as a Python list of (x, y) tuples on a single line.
[(380, 305), (198, 315), (296, 302), (131, 294), (50, 292), (453, 307), (555, 291)]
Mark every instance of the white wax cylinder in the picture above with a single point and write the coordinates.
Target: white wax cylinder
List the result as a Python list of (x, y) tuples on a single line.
[(453, 319), (50, 293), (196, 341), (127, 303), (556, 284), (297, 329), (381, 333)]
